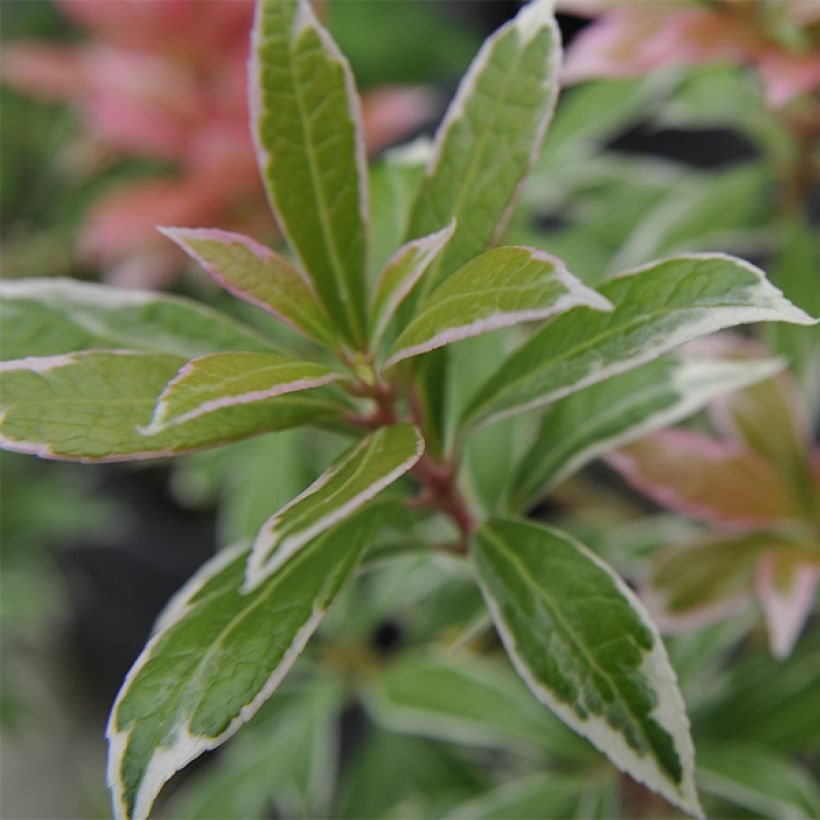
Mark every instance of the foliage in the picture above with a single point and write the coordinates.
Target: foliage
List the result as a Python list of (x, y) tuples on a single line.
[(419, 485)]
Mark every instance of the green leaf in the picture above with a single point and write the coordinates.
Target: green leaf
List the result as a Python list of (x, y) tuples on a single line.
[(46, 317), (217, 656), (586, 424), (90, 406), (221, 380), (502, 287), (586, 648), (490, 136), (356, 477), (257, 275), (760, 780), (468, 700), (539, 795), (308, 133), (657, 307), (400, 275)]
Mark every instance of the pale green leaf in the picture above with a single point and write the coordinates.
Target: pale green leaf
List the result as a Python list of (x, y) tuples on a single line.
[(657, 307), (221, 380), (468, 700), (400, 275), (586, 424), (46, 317), (257, 275), (759, 779), (307, 128), (357, 476), (90, 406), (502, 287), (490, 136), (586, 648), (217, 656)]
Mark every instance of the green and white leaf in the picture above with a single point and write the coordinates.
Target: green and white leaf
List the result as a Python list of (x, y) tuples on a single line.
[(401, 274), (502, 287), (308, 134), (599, 418), (759, 779), (91, 406), (490, 137), (468, 700), (220, 380), (47, 317), (257, 275), (218, 654), (356, 477), (587, 649), (657, 307)]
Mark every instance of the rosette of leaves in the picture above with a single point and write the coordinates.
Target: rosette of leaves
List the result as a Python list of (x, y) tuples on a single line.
[(96, 374)]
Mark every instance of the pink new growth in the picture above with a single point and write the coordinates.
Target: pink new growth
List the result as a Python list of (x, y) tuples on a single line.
[(631, 37), (757, 484), (167, 80)]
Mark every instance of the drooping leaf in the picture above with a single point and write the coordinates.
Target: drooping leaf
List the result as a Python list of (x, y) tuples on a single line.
[(759, 779), (587, 649), (257, 275), (47, 317), (356, 477), (307, 128), (220, 380), (657, 308), (490, 136), (502, 287), (90, 406), (217, 655), (586, 424), (400, 275), (710, 480), (468, 700)]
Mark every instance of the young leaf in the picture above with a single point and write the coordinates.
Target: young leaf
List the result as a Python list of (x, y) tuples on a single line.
[(586, 424), (257, 275), (502, 287), (490, 136), (357, 476), (89, 406), (657, 307), (222, 380), (400, 275), (307, 129), (46, 317), (217, 656), (468, 700), (586, 648)]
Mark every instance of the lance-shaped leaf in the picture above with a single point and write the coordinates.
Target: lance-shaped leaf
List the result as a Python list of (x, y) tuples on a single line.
[(257, 275), (400, 275), (502, 287), (657, 307), (722, 484), (356, 477), (217, 656), (46, 317), (587, 649), (787, 577), (307, 129), (586, 424), (468, 700), (210, 383), (90, 406), (490, 136), (759, 779)]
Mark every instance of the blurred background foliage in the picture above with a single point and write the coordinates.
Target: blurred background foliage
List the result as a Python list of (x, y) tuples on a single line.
[(374, 722)]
